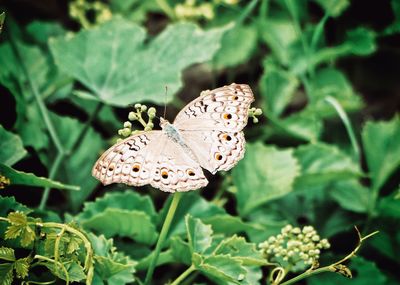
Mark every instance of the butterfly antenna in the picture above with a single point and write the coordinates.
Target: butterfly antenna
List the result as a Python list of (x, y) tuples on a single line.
[(165, 101)]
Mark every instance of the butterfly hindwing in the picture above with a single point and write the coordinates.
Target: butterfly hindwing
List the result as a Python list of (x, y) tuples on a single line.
[(129, 161), (177, 170), (216, 150), (150, 158)]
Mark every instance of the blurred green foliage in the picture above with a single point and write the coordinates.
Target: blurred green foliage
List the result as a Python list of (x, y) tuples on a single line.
[(317, 157)]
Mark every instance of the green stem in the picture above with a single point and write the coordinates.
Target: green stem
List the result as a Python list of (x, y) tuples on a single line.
[(53, 171), (296, 23), (163, 234), (88, 266), (246, 12), (84, 130), (306, 274), (41, 257), (184, 274), (346, 122), (263, 12), (38, 98)]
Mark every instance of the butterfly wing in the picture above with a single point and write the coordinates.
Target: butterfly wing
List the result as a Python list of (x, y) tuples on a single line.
[(212, 124), (129, 161), (150, 158), (176, 170), (225, 109)]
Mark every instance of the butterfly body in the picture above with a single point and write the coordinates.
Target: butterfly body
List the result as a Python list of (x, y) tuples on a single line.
[(207, 133)]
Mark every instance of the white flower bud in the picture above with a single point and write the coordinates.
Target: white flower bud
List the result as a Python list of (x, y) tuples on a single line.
[(132, 116)]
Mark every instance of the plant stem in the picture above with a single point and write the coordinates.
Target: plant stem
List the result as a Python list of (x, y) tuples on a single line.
[(38, 98), (53, 171), (163, 234), (305, 275), (84, 130), (346, 122), (184, 274), (332, 267)]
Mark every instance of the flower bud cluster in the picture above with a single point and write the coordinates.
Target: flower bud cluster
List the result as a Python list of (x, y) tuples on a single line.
[(80, 9), (253, 113), (294, 248), (136, 115), (192, 9)]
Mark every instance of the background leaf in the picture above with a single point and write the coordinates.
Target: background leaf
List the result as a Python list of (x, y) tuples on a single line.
[(199, 234), (11, 147), (264, 174), (382, 149), (30, 179), (120, 82)]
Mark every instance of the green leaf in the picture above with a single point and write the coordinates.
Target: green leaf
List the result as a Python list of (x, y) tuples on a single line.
[(195, 205), (199, 234), (239, 249), (127, 200), (361, 41), (322, 164), (365, 270), (77, 167), (394, 28), (305, 125), (181, 250), (384, 243), (74, 270), (11, 147), (334, 8), (104, 69), (332, 82), (223, 268), (8, 204), (277, 87), (109, 215), (351, 195), (20, 228), (389, 207), (21, 267), (382, 149), (228, 225), (41, 31), (6, 274), (136, 225), (111, 266), (7, 254), (264, 174), (29, 179), (279, 34), (237, 47)]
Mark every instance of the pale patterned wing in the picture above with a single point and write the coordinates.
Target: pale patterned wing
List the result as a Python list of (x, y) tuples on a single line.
[(130, 161), (225, 109), (216, 150), (176, 170), (150, 158)]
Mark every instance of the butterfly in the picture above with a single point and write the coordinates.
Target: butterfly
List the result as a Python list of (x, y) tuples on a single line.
[(206, 133)]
